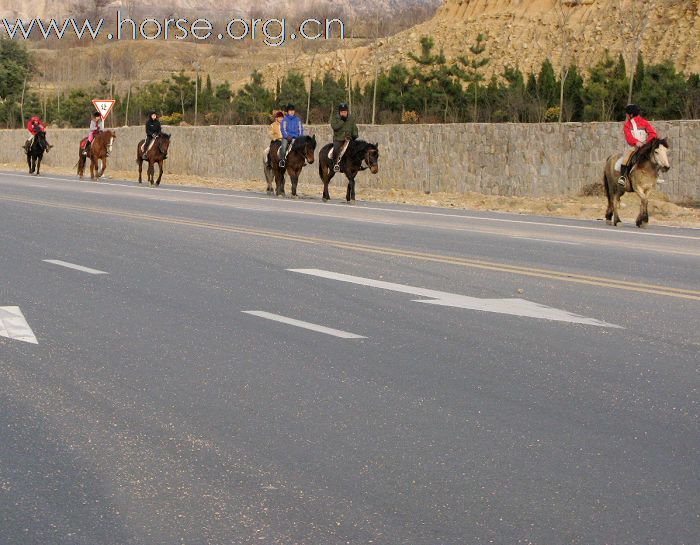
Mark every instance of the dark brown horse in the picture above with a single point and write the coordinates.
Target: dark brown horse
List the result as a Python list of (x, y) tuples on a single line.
[(652, 159), (157, 154), (100, 149), (35, 153), (302, 152), (360, 155)]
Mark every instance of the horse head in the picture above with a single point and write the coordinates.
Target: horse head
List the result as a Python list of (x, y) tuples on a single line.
[(659, 155), (372, 157), (164, 144), (109, 137), (310, 149)]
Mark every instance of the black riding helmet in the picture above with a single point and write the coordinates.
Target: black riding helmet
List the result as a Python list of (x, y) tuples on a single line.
[(632, 109), (290, 106), (343, 107), (97, 114)]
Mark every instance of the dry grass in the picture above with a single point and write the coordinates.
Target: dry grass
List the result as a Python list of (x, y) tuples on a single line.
[(662, 211)]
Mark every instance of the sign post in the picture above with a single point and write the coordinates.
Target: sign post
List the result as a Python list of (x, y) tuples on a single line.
[(104, 107)]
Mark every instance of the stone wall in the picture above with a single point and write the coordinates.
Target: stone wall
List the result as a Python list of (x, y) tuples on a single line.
[(503, 159)]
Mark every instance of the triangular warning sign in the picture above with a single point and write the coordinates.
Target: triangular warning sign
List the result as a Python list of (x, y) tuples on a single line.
[(103, 106), (13, 325)]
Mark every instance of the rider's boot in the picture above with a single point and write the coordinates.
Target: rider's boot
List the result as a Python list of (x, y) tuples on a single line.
[(624, 172)]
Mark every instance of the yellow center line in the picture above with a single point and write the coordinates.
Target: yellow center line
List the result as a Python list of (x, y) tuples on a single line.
[(381, 250)]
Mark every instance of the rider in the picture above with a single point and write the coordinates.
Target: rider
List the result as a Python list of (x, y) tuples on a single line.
[(344, 130), (153, 130), (291, 128), (34, 126), (638, 131), (97, 124), (275, 132)]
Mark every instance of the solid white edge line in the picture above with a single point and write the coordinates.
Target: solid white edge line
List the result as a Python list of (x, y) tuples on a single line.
[(304, 325), (195, 190), (73, 266)]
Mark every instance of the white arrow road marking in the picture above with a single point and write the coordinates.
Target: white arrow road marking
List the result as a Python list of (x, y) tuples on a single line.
[(303, 325), (513, 307), (74, 266), (13, 325)]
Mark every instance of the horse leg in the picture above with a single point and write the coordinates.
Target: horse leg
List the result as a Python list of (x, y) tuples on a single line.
[(643, 217), (279, 181), (93, 167), (29, 163), (140, 162), (616, 208), (350, 195), (160, 172), (104, 167), (151, 173), (38, 166), (295, 181)]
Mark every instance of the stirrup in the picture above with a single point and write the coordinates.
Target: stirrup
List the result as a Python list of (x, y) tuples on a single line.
[(622, 180), (282, 163), (336, 167)]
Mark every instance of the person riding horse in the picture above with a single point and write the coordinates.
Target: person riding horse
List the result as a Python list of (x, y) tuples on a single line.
[(344, 130), (291, 127), (97, 124), (275, 132), (638, 131), (35, 126), (153, 130)]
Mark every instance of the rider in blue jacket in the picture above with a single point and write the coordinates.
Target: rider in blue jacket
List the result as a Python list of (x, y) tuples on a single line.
[(292, 127)]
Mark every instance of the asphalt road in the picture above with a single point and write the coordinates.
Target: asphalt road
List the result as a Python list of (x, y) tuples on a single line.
[(482, 378)]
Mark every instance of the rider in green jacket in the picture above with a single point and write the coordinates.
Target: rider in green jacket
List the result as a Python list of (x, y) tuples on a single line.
[(344, 130)]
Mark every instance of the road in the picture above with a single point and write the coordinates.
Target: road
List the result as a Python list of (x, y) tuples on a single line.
[(215, 367)]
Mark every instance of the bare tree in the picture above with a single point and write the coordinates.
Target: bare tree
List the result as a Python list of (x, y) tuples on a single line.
[(633, 19), (565, 9)]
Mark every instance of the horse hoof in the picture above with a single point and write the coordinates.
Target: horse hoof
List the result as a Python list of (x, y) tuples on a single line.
[(325, 199), (609, 222)]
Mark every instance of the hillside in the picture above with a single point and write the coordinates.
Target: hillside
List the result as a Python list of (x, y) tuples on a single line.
[(523, 33)]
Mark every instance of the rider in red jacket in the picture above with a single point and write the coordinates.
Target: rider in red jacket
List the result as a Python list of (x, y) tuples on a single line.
[(35, 125), (638, 131)]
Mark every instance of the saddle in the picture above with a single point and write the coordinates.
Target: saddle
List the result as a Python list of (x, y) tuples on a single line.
[(289, 148), (343, 149), (153, 141)]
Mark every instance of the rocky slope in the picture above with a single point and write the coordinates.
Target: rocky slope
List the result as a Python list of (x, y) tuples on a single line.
[(46, 9), (524, 32)]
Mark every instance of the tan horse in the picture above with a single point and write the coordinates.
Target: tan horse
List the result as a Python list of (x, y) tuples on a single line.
[(652, 159), (99, 151)]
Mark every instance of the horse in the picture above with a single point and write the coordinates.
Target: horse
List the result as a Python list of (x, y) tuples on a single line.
[(360, 155), (35, 153), (156, 154), (100, 149), (302, 152), (652, 159)]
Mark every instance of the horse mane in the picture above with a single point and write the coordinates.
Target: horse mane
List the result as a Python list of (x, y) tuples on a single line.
[(357, 149), (300, 143), (648, 148)]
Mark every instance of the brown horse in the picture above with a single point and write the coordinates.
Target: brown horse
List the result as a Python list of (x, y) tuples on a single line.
[(99, 151), (157, 154), (652, 159), (360, 155), (301, 154)]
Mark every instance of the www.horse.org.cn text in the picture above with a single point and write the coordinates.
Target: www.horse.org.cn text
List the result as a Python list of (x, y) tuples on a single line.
[(273, 32)]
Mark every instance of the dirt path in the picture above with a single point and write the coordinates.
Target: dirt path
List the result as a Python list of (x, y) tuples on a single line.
[(662, 211)]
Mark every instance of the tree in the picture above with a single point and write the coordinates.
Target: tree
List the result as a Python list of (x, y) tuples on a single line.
[(472, 66), (564, 13), (254, 102)]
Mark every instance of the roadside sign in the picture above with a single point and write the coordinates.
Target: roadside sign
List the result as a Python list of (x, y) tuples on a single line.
[(103, 106)]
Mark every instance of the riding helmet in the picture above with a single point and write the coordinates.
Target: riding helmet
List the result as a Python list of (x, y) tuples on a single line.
[(290, 107), (632, 109), (97, 114), (343, 107)]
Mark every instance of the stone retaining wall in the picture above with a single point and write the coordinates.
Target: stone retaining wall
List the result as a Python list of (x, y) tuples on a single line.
[(501, 159)]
